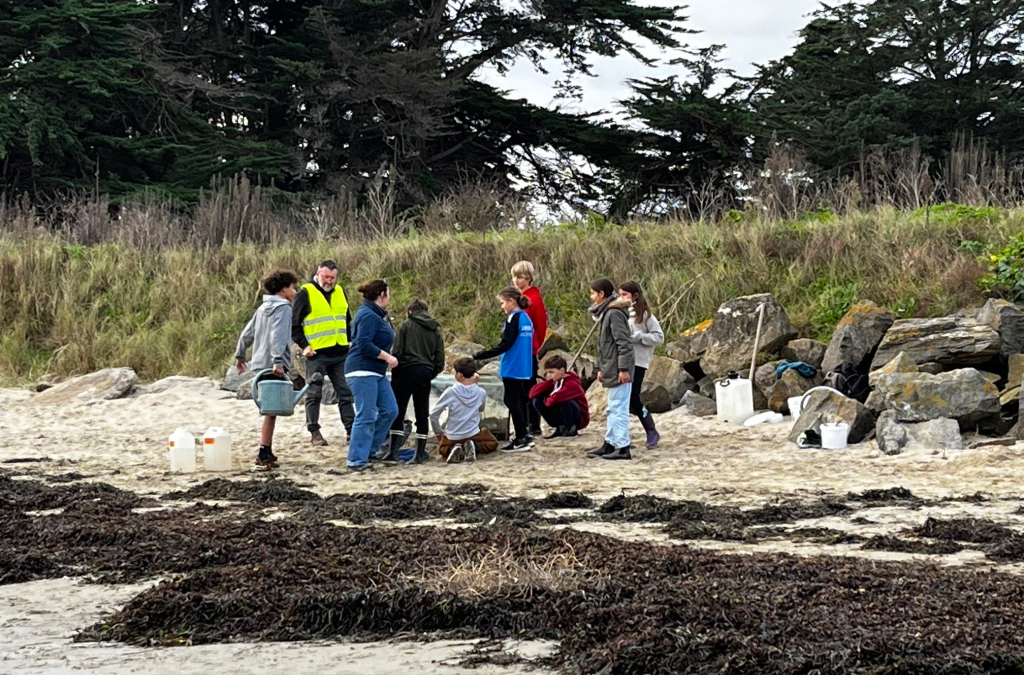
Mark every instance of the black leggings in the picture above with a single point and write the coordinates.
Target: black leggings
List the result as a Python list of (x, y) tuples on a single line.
[(636, 407), (412, 382), (517, 400)]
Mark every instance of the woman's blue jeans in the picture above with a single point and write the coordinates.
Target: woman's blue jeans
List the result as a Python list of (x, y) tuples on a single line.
[(376, 409)]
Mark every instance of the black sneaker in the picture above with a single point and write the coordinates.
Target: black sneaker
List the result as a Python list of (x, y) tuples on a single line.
[(605, 448), (557, 433), (519, 445), (618, 453), (273, 461), (571, 431)]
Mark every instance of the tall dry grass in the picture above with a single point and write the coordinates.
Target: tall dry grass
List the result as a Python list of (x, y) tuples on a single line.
[(71, 308)]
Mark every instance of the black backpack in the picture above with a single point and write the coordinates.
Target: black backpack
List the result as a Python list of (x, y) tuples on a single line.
[(849, 381)]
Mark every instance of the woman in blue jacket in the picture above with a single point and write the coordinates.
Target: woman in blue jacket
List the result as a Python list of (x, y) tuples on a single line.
[(516, 350), (369, 357)]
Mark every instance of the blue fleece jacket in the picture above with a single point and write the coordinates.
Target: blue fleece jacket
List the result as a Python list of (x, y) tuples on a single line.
[(370, 335)]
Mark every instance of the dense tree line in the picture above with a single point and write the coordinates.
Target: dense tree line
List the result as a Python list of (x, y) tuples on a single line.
[(326, 95)]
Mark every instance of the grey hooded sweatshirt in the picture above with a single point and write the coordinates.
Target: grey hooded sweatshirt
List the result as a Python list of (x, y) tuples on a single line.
[(464, 404), (269, 333)]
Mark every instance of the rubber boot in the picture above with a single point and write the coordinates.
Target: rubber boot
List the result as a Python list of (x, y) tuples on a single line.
[(394, 445), (605, 448), (618, 453), (421, 451), (647, 422)]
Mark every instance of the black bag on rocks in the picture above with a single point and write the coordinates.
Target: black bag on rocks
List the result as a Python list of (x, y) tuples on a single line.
[(848, 381)]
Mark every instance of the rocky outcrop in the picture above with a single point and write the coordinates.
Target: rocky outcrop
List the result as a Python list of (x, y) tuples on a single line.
[(901, 364), (102, 385), (730, 338), (894, 437), (1008, 320), (700, 406), (691, 343), (665, 383), (948, 340), (857, 335), (809, 351), (964, 395)]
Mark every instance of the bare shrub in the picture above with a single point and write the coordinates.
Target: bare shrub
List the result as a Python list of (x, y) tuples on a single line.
[(975, 175), (235, 210), (475, 207)]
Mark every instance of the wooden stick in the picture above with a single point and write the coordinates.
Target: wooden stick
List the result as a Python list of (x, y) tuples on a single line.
[(757, 339), (584, 344)]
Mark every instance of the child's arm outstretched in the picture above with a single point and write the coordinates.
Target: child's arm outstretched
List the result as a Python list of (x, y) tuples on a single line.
[(245, 341)]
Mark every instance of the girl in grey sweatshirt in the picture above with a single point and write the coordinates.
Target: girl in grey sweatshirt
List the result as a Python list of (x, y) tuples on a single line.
[(647, 335)]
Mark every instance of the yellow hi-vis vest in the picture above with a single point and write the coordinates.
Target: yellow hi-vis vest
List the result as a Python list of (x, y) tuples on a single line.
[(327, 324)]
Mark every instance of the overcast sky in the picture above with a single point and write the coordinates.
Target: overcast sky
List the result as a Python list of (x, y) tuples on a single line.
[(754, 31)]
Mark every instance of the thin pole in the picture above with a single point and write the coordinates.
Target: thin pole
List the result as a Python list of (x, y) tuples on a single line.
[(757, 340)]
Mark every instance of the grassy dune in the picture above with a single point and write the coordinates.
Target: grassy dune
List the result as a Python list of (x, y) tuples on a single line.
[(67, 308)]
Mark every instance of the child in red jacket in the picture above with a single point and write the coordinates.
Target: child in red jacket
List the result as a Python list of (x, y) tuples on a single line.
[(560, 399)]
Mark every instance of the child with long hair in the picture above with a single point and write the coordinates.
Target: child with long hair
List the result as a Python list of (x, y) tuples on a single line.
[(523, 276), (646, 335), (516, 350)]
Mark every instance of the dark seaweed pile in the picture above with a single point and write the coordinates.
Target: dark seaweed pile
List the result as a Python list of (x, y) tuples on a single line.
[(614, 606)]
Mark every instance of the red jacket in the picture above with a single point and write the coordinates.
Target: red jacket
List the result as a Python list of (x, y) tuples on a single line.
[(571, 390), (538, 314)]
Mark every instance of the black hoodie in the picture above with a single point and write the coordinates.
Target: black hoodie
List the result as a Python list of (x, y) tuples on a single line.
[(418, 342)]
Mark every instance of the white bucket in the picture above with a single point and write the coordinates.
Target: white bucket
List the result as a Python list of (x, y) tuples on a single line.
[(794, 406), (833, 435), (217, 449), (182, 451)]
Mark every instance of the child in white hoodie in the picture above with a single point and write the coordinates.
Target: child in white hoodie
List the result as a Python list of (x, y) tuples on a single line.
[(269, 333), (462, 438)]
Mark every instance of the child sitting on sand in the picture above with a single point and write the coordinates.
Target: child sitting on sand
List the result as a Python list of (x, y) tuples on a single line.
[(462, 438), (269, 333), (560, 399)]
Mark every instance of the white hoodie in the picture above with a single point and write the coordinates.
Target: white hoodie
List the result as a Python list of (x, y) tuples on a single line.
[(464, 404)]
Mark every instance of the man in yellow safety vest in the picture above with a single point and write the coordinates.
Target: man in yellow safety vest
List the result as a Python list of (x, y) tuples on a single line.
[(320, 321)]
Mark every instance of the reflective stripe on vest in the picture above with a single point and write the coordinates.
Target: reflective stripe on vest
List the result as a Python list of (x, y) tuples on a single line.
[(327, 324)]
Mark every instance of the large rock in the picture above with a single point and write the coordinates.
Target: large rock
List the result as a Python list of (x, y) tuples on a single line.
[(700, 406), (234, 379), (1008, 320), (177, 382), (764, 377), (824, 405), (857, 335), (459, 349), (664, 384), (597, 399), (691, 343), (890, 435), (789, 385), (940, 434), (948, 340), (1015, 365), (585, 366), (964, 395), (730, 338), (901, 364), (103, 385), (809, 351), (553, 342)]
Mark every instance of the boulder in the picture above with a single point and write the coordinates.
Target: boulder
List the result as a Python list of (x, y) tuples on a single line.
[(691, 343), (948, 340), (597, 398), (102, 385), (789, 385), (964, 395), (809, 351), (901, 364), (824, 405), (553, 342), (234, 379), (857, 335), (764, 377), (931, 367), (730, 338), (706, 387), (585, 366), (700, 406), (175, 382), (664, 384), (1008, 320), (890, 435), (1015, 375), (459, 349)]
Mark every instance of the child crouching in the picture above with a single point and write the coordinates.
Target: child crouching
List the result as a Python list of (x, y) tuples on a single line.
[(462, 438), (560, 399)]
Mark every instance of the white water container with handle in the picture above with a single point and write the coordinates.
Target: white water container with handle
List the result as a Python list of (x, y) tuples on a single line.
[(182, 451), (217, 449), (834, 435), (735, 398)]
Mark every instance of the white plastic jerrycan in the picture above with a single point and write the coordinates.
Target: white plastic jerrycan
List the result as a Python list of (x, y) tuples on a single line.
[(735, 398), (182, 451), (217, 449)]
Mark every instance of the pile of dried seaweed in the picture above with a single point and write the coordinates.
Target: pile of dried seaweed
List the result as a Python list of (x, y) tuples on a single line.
[(270, 490)]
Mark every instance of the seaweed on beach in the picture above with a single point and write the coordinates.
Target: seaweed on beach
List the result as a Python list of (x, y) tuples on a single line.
[(34, 495), (270, 490), (885, 496), (895, 544), (972, 530), (623, 607)]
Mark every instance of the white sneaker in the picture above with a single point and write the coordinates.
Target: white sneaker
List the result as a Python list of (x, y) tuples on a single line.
[(455, 455), (469, 448)]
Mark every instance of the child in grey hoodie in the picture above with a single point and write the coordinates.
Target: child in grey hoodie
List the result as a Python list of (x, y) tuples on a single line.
[(462, 438), (269, 333)]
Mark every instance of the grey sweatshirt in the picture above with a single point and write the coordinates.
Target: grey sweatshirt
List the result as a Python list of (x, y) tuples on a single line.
[(269, 333), (646, 336), (464, 404)]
